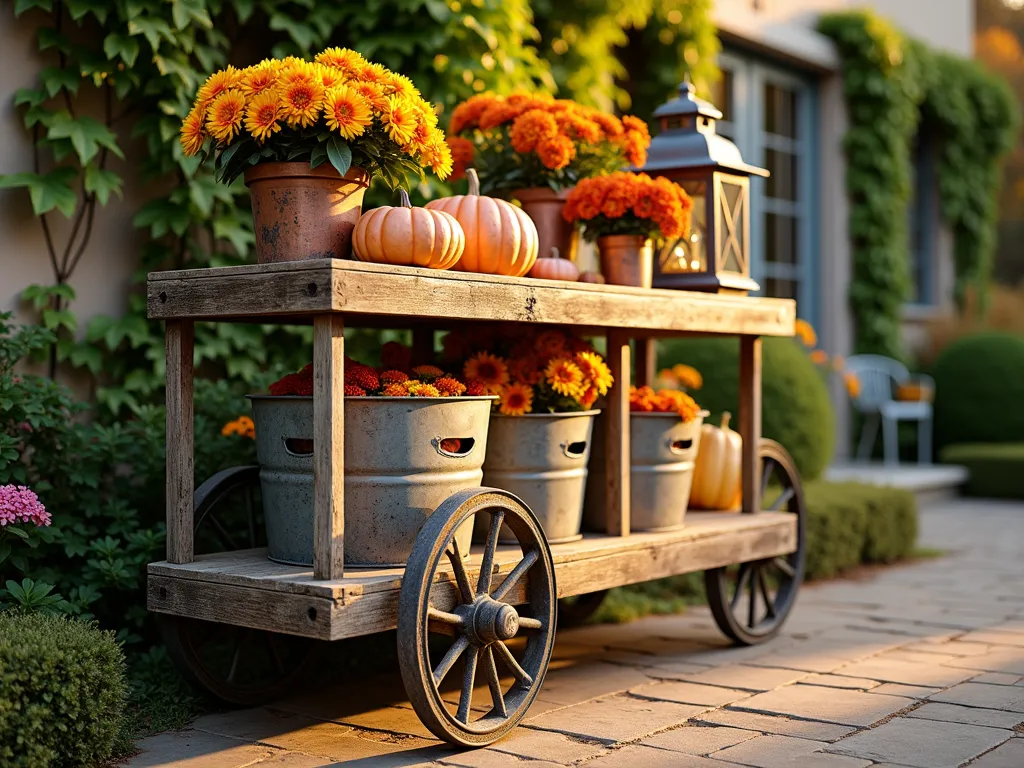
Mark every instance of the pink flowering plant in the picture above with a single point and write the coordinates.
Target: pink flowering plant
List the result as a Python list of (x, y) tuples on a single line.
[(21, 514)]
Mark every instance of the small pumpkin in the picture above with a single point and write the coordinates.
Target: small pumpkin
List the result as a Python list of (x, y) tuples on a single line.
[(555, 268), (500, 238), (719, 468), (592, 277), (410, 237)]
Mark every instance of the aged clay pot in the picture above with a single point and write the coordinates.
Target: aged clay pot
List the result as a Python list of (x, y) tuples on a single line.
[(544, 206), (304, 213), (627, 259)]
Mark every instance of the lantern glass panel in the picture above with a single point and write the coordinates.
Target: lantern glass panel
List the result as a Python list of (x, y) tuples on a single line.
[(688, 254), (732, 213)]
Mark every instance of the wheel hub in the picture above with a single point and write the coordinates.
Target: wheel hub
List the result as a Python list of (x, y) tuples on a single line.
[(493, 621)]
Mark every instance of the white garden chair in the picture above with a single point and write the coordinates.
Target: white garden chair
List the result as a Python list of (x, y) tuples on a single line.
[(880, 378)]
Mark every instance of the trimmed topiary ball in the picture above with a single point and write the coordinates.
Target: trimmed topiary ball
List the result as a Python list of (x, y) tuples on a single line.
[(62, 691), (795, 406), (979, 390)]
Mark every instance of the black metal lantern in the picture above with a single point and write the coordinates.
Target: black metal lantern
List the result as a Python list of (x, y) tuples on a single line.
[(715, 256)]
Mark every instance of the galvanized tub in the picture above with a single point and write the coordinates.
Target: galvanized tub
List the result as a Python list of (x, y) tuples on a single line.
[(542, 458), (403, 457), (662, 454)]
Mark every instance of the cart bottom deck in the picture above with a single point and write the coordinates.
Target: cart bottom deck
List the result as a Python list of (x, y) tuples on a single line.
[(246, 589)]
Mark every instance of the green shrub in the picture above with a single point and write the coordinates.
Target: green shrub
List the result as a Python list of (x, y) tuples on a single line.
[(62, 691), (979, 390), (795, 403), (995, 470)]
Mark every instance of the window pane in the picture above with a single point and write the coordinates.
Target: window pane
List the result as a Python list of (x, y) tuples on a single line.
[(783, 167), (722, 95), (779, 288), (780, 238), (779, 111)]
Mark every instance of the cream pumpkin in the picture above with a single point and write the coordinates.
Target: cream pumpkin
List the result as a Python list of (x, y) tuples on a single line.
[(719, 468), (410, 237), (555, 268), (500, 238)]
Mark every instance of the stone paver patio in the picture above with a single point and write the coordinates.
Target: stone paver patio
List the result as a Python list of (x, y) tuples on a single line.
[(919, 665)]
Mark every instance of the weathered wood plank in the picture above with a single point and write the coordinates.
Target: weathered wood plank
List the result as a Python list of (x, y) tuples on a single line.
[(750, 420), (406, 292), (616, 436), (328, 446), (180, 424)]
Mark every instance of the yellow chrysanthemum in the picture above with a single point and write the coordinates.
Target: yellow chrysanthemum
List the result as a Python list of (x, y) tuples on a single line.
[(345, 59), (688, 376), (438, 155), (301, 100), (515, 400), (565, 377), (298, 71), (329, 76), (487, 369), (225, 115), (399, 118), (400, 85), (260, 78), (369, 72), (420, 389), (346, 112), (595, 371), (192, 133), (218, 83), (372, 93), (263, 116), (421, 138)]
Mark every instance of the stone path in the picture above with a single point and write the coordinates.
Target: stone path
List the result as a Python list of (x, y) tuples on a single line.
[(919, 665)]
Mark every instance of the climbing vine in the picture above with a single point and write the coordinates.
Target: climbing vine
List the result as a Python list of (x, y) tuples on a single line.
[(893, 86)]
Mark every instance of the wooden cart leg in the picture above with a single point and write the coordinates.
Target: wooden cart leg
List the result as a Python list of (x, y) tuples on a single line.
[(616, 455), (750, 420), (180, 472), (646, 361), (328, 446)]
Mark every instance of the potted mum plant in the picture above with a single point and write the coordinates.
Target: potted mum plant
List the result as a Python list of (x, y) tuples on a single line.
[(664, 435), (308, 137), (413, 437), (534, 148), (623, 212), (538, 445)]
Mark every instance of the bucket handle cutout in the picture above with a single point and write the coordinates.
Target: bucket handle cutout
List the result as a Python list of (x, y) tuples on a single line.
[(576, 450), (680, 446), (454, 447), (299, 447)]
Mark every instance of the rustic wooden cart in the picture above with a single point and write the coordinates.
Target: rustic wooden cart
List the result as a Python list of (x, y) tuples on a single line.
[(753, 561)]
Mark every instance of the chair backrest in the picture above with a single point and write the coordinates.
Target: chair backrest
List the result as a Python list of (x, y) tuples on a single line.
[(878, 377)]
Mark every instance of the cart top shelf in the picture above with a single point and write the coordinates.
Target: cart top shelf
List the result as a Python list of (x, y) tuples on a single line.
[(294, 291)]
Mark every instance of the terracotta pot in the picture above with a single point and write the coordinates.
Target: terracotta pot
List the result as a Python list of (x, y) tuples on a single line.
[(544, 206), (627, 259), (303, 213)]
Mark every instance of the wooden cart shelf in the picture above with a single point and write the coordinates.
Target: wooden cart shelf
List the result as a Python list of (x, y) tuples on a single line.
[(247, 589)]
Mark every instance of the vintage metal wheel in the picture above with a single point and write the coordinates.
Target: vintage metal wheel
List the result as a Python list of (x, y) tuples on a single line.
[(574, 611), (483, 629), (751, 601), (237, 665)]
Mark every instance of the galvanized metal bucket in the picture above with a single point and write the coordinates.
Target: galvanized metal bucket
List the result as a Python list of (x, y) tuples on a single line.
[(662, 454), (542, 458), (403, 457)]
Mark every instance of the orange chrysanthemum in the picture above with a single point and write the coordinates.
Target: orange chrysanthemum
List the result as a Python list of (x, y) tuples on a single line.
[(595, 371), (819, 357), (497, 113), (462, 155), (487, 369), (218, 83), (399, 119), (393, 377), (805, 332), (301, 100), (346, 112), (450, 387), (395, 390), (852, 384), (556, 152), (687, 376), (600, 200), (351, 390), (515, 400), (263, 115), (345, 59), (529, 128), (225, 116), (565, 377), (589, 397), (427, 372), (467, 114), (258, 79), (192, 132)]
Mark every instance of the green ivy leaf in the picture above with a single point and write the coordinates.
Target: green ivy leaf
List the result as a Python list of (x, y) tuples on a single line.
[(101, 182), (20, 6), (86, 134), (340, 154), (79, 8), (47, 191), (153, 29), (184, 12), (55, 78), (125, 46), (244, 9), (51, 38), (31, 96), (302, 35)]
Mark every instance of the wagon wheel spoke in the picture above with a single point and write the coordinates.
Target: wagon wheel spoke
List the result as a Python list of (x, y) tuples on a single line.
[(442, 669), (274, 646), (516, 574), (783, 565), (455, 558), (766, 476), (445, 618), (533, 625), (468, 679), (783, 499), (513, 666), (222, 535), (741, 577), (251, 510), (483, 585), (762, 583), (752, 589), (236, 655), (494, 683)]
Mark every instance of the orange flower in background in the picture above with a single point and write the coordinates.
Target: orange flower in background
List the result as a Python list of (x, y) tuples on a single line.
[(346, 112), (450, 387), (262, 117), (515, 400), (819, 357), (242, 426), (638, 139), (838, 363), (225, 116), (550, 343), (467, 114), (487, 369), (646, 400), (564, 376), (687, 376), (852, 384), (649, 206), (556, 151), (427, 372), (192, 132), (529, 128), (393, 377), (395, 390), (462, 155), (805, 332), (496, 113)]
